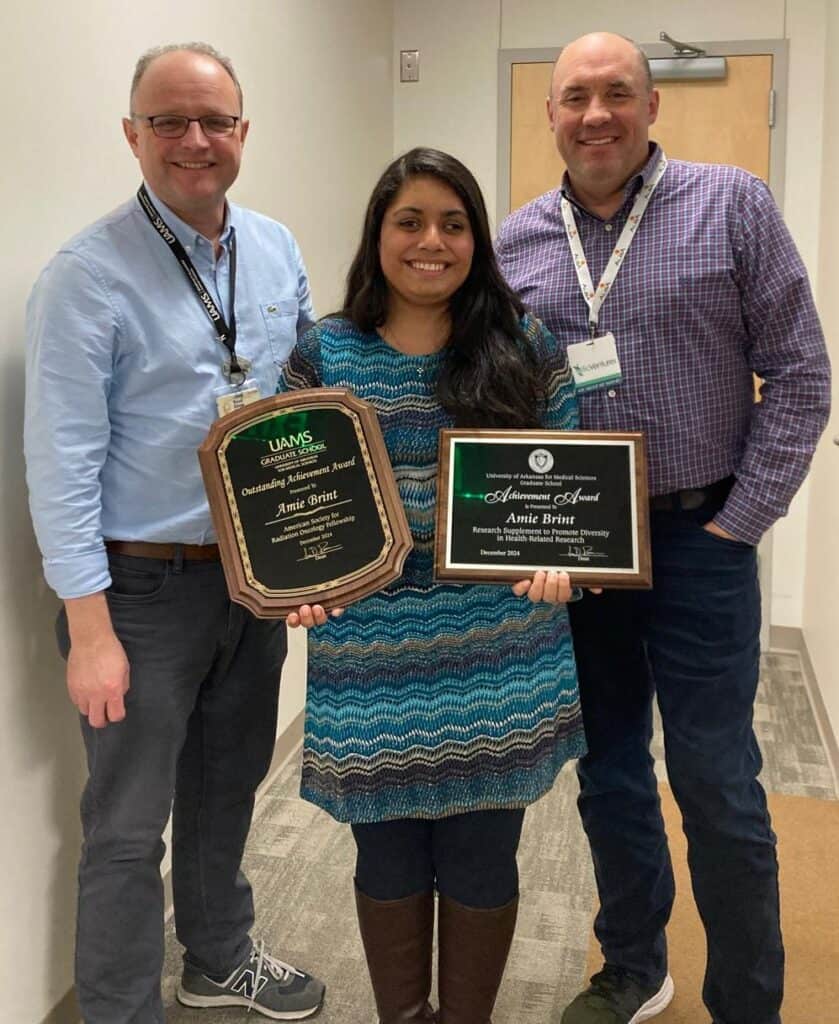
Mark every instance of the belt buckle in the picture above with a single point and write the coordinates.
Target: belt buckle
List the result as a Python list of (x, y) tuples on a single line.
[(693, 498)]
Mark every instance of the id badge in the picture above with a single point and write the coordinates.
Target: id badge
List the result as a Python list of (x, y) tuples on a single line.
[(595, 363), (231, 397)]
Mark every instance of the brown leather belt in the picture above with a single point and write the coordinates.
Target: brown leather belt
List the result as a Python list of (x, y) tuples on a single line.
[(167, 552)]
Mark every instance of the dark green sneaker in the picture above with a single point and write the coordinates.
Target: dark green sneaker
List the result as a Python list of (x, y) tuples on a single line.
[(262, 983), (615, 997)]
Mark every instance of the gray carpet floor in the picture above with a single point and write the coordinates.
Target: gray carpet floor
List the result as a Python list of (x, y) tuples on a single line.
[(300, 864)]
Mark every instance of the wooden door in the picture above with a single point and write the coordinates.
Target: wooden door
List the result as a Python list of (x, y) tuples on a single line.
[(721, 122)]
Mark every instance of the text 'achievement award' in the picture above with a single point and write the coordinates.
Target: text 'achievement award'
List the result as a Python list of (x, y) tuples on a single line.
[(304, 501), (510, 502)]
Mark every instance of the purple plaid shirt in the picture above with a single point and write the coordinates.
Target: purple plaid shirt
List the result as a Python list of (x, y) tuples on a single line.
[(712, 289)]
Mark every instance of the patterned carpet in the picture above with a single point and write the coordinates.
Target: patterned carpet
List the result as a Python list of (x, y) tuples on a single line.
[(300, 864)]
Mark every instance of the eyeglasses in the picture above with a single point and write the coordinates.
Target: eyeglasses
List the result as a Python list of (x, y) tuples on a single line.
[(175, 126)]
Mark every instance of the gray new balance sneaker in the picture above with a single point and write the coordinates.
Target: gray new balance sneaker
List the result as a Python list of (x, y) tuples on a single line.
[(615, 997), (262, 983)]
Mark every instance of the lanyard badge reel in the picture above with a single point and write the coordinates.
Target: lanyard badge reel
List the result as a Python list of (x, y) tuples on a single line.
[(240, 389)]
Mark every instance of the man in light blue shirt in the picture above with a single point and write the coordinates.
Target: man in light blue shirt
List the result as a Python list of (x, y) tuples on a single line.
[(141, 330)]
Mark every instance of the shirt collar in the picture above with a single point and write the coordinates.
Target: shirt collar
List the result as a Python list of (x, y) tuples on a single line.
[(186, 234), (630, 189)]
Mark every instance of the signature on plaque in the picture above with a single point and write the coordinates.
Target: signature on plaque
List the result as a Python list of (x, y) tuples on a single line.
[(318, 551)]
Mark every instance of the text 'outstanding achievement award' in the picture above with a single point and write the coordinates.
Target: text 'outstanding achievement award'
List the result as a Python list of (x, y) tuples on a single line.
[(304, 501)]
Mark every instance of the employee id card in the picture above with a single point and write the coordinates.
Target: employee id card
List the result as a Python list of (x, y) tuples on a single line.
[(231, 397), (594, 363)]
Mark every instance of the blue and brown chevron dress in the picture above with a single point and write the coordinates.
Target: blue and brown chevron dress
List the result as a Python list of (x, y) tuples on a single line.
[(430, 699)]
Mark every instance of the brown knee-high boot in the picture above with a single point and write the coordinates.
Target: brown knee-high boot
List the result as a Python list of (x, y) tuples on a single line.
[(473, 948), (397, 937)]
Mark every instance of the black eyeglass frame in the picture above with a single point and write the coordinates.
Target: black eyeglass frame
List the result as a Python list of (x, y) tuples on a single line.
[(187, 121)]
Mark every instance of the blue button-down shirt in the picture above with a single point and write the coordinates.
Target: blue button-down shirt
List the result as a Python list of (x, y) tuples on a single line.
[(122, 370), (712, 289)]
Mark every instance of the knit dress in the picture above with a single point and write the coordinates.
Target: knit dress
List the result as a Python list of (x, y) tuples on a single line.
[(429, 699)]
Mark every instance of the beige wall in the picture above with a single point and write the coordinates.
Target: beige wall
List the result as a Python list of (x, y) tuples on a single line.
[(525, 22), (805, 28), (821, 599), (454, 106), (317, 81)]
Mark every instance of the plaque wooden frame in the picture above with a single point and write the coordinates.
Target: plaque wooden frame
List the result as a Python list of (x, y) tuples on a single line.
[(449, 568), (243, 583)]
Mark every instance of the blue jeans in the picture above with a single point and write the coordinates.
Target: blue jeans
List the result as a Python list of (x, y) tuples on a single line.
[(200, 726), (694, 641)]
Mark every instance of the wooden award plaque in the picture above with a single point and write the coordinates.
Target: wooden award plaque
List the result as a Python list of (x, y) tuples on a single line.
[(510, 502), (304, 501)]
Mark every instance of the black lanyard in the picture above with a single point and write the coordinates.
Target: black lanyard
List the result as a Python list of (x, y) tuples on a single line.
[(226, 333)]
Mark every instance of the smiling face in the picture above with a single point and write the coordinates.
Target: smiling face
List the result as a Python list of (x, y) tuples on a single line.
[(426, 243), (192, 174), (600, 110)]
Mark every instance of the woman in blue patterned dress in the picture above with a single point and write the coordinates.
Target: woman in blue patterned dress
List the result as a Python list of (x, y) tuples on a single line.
[(436, 712)]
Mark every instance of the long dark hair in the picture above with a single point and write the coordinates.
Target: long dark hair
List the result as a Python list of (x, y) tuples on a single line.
[(490, 376)]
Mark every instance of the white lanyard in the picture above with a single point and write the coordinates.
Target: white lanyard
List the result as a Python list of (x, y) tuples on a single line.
[(596, 298)]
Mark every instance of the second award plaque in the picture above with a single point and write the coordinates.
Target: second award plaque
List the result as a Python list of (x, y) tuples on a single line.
[(513, 501), (304, 501)]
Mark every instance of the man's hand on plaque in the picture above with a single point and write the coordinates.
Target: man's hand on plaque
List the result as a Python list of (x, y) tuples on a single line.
[(309, 615), (550, 586)]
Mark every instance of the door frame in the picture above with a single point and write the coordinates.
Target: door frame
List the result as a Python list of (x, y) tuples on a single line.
[(779, 51)]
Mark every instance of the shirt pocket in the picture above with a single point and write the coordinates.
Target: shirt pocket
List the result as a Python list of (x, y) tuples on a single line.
[(280, 316)]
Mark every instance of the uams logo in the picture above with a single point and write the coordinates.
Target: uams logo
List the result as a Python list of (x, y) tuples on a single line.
[(541, 460), (279, 444)]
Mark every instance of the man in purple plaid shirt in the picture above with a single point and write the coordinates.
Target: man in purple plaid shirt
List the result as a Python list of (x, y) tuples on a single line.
[(700, 286)]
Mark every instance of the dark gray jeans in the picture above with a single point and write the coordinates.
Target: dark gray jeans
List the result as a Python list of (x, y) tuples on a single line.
[(200, 726)]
